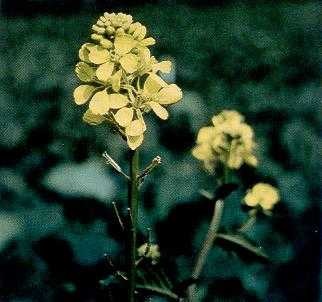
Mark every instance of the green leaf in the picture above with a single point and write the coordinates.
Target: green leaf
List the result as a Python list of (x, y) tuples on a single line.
[(158, 290), (241, 245)]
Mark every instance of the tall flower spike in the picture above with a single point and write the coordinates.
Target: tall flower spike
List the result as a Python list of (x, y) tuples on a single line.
[(119, 79), (229, 141)]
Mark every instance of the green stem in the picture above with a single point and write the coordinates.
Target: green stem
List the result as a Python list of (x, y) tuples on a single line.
[(206, 246), (248, 224), (133, 205)]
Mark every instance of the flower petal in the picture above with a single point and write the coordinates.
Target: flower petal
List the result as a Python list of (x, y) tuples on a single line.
[(98, 54), (124, 44), (83, 93), (129, 62), (134, 141), (100, 103), (140, 32), (116, 80), (145, 54), (251, 199), (84, 52), (148, 41), (140, 117), (160, 111), (135, 128), (84, 72), (153, 84), (124, 116), (163, 66), (104, 71), (93, 119), (169, 95), (118, 100), (205, 135)]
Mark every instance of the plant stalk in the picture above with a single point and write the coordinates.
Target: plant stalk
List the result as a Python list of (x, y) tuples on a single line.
[(248, 224), (206, 246), (133, 205)]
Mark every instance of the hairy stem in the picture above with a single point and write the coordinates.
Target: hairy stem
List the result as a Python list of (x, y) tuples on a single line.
[(206, 246), (133, 205)]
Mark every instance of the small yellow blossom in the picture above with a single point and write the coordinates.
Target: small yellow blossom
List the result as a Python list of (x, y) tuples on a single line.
[(229, 140), (119, 77), (150, 251), (263, 195)]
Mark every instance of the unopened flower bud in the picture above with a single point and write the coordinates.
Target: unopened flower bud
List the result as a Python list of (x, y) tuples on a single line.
[(106, 43), (96, 37), (98, 29)]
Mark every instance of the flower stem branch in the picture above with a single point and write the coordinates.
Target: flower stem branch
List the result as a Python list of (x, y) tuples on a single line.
[(206, 246), (110, 161), (133, 205), (154, 163), (248, 224)]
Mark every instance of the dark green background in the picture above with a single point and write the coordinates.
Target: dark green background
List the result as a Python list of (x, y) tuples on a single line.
[(56, 220)]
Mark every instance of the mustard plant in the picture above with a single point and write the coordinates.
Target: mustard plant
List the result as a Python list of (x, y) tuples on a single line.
[(120, 82)]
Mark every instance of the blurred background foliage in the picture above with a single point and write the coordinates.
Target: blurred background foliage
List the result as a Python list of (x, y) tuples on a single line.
[(56, 220)]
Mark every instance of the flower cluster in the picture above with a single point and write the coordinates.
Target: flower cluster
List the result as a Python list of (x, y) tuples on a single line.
[(120, 78), (262, 195), (150, 251), (229, 140)]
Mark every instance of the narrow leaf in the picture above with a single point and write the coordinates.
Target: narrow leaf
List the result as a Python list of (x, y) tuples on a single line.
[(241, 245)]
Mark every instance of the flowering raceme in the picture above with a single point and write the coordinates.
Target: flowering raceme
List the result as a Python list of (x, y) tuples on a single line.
[(263, 195), (120, 80), (229, 141)]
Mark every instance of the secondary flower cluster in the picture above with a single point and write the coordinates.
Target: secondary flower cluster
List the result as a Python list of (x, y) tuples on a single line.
[(229, 140), (262, 195), (120, 78), (150, 251)]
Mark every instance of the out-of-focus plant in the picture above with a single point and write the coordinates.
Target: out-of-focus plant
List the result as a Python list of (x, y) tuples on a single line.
[(224, 147), (120, 82)]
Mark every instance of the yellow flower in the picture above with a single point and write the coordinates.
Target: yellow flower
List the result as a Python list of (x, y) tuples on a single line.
[(156, 94), (112, 69), (150, 251), (149, 63), (263, 195), (229, 140)]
